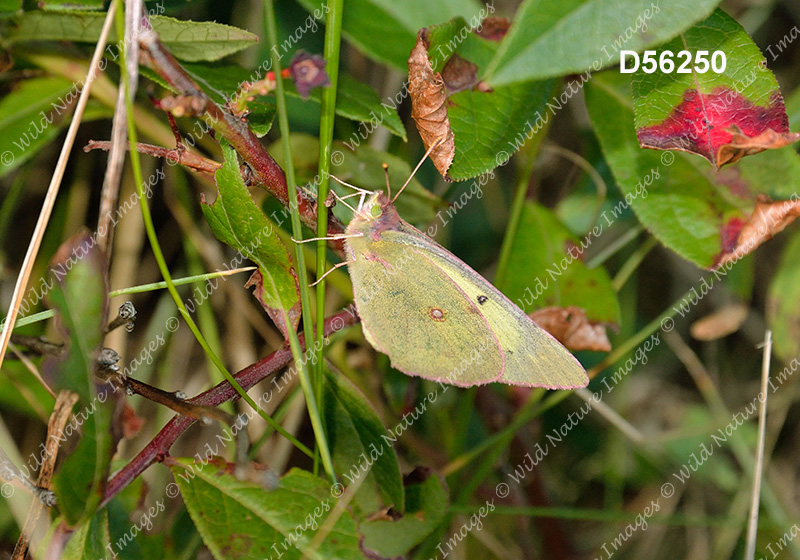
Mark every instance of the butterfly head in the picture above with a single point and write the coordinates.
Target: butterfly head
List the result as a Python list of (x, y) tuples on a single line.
[(376, 213)]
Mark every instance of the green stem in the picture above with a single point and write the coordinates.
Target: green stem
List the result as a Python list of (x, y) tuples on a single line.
[(297, 232), (333, 34), (633, 262), (607, 252), (532, 150), (164, 269)]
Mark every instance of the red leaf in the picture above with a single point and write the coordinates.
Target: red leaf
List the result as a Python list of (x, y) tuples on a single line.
[(723, 126)]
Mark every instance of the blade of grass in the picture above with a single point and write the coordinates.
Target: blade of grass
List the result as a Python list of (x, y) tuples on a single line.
[(297, 232), (55, 183), (752, 526), (333, 35)]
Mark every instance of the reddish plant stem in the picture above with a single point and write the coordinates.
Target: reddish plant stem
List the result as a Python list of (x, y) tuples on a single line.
[(172, 155), (266, 172), (223, 392)]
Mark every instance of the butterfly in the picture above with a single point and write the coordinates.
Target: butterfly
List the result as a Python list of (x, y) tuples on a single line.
[(437, 318)]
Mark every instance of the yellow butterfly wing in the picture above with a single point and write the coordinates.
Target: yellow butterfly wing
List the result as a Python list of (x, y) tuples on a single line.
[(436, 317), (411, 311)]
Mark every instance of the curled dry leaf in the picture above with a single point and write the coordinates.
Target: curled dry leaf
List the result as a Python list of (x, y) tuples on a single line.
[(767, 220), (571, 327), (429, 106), (276, 314), (741, 145), (721, 322)]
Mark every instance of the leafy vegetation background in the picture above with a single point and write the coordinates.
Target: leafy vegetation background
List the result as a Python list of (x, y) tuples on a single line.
[(579, 484)]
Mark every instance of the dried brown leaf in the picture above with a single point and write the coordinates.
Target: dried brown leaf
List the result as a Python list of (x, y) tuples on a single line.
[(571, 327), (721, 322), (741, 145), (767, 220), (429, 106)]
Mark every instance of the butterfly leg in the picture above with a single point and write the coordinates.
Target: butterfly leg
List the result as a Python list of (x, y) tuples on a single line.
[(337, 265), (332, 237)]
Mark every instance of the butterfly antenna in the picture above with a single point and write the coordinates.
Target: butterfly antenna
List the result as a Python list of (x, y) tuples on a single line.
[(386, 176), (435, 145), (362, 193)]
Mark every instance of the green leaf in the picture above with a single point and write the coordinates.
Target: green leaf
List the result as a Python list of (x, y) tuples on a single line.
[(783, 312), (69, 5), (426, 507), (359, 102), (545, 268), (79, 296), (9, 7), (33, 114), (90, 540), (673, 197), (694, 111), (240, 519), (360, 444), (488, 126), (386, 30), (187, 40), (238, 221), (543, 41)]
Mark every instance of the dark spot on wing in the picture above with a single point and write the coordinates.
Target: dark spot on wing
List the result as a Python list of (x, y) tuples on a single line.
[(482, 299)]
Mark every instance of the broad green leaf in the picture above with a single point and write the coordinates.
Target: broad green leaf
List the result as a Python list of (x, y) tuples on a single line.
[(546, 268), (187, 40), (359, 102), (488, 126), (243, 520), (426, 507), (33, 114), (360, 165), (672, 198), (9, 7), (783, 312), (354, 100), (386, 30), (696, 111), (543, 41), (238, 221), (79, 297), (90, 540), (361, 447), (63, 5)]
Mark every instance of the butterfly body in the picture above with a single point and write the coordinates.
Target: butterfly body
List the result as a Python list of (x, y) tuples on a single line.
[(435, 317)]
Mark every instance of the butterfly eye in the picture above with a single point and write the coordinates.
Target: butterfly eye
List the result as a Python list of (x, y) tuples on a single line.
[(376, 211)]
